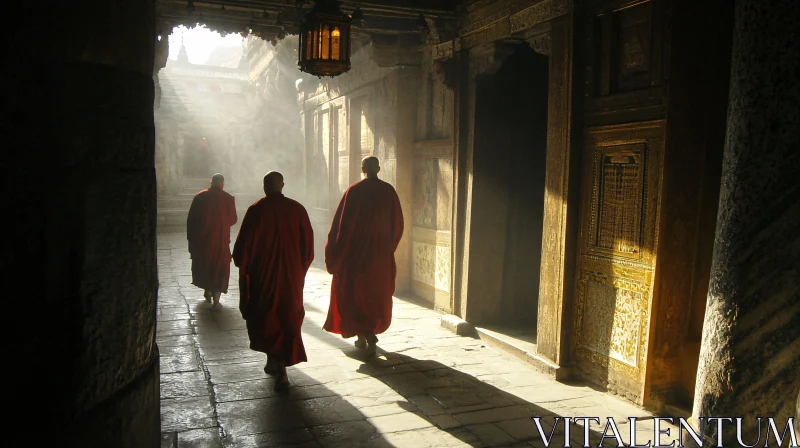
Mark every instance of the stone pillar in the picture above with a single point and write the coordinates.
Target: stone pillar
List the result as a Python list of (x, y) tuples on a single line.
[(797, 414), (81, 246), (750, 350)]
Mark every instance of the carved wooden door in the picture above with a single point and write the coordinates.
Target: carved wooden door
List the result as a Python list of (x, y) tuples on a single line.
[(616, 254)]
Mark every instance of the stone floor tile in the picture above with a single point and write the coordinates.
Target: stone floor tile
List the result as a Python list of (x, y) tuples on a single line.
[(399, 422), (493, 415), (326, 410), (445, 421), (182, 324), (426, 438), (491, 435), (466, 436), (200, 438), (184, 385), (384, 409), (243, 390), (179, 362), (172, 341), (293, 438), (178, 332), (234, 373), (261, 416), (427, 404), (178, 314), (183, 414), (454, 397), (523, 429), (357, 433)]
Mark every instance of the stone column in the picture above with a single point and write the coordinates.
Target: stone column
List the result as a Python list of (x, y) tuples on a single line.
[(80, 254), (750, 351)]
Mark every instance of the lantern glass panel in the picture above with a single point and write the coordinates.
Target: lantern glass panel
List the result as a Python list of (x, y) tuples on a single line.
[(309, 43), (326, 42), (335, 43)]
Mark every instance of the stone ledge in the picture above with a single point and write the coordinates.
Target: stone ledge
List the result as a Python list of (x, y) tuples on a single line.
[(457, 325), (558, 373), (523, 352)]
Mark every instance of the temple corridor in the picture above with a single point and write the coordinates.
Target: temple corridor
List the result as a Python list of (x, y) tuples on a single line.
[(427, 388), (600, 203)]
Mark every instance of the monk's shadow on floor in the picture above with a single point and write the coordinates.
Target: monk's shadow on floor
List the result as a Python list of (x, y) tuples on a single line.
[(468, 408)]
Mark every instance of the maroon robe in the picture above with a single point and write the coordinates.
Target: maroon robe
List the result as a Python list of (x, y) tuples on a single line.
[(208, 229), (360, 254), (273, 251)]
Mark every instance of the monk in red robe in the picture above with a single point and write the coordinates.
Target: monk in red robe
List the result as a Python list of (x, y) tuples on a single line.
[(359, 254), (208, 229), (273, 251)]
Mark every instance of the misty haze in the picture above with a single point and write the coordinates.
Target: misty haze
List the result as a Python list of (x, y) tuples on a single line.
[(216, 114)]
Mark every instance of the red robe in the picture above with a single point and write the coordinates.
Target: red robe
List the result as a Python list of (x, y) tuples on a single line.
[(208, 229), (273, 251), (360, 254)]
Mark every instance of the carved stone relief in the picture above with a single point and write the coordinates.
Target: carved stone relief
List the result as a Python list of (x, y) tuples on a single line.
[(444, 194), (431, 262), (424, 270), (442, 273), (424, 205)]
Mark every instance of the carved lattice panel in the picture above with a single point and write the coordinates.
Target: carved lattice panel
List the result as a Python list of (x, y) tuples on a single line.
[(618, 200), (620, 188)]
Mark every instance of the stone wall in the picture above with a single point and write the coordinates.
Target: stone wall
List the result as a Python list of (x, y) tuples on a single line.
[(366, 111), (82, 242), (433, 188)]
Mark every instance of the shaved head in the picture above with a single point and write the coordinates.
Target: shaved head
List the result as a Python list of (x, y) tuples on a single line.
[(217, 180), (370, 166), (273, 183)]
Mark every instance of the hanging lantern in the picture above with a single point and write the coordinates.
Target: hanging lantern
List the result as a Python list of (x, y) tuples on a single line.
[(325, 40)]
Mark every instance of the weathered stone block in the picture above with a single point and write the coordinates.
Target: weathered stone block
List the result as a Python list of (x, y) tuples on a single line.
[(457, 325)]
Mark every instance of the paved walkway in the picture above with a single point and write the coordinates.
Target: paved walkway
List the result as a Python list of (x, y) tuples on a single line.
[(427, 387)]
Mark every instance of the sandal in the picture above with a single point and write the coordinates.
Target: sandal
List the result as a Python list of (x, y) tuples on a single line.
[(360, 343), (282, 382)]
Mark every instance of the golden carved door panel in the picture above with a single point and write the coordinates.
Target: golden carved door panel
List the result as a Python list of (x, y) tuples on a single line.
[(616, 253)]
